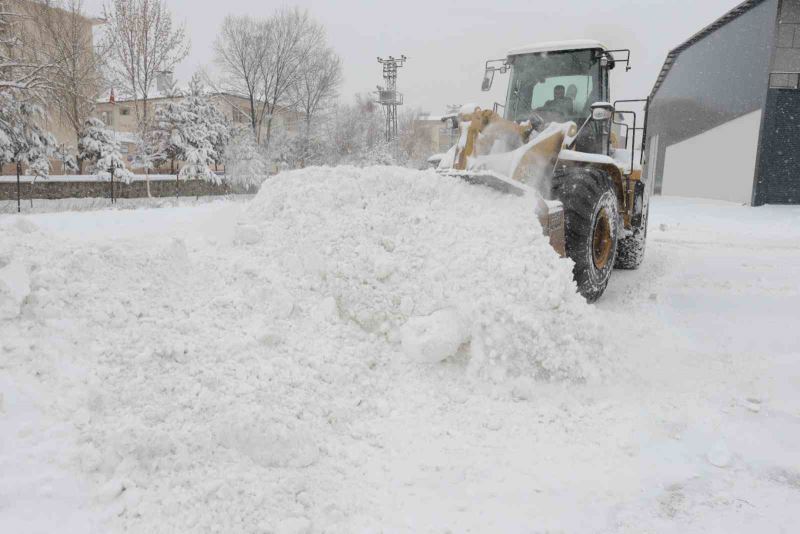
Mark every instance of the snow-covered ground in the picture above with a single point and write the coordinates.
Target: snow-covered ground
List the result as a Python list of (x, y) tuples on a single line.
[(259, 367)]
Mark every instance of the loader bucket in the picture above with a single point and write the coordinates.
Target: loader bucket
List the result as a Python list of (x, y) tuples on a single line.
[(549, 212), (511, 158)]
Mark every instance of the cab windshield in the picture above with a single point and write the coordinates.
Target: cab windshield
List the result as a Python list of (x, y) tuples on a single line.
[(557, 86)]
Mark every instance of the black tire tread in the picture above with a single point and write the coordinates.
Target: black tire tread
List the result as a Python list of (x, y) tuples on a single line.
[(580, 189), (631, 249)]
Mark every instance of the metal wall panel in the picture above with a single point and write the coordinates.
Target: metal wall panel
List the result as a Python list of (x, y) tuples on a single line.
[(721, 77)]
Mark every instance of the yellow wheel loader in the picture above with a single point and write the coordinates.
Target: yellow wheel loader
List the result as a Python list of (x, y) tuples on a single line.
[(561, 139)]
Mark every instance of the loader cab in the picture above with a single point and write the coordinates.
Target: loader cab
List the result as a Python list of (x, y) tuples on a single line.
[(558, 82)]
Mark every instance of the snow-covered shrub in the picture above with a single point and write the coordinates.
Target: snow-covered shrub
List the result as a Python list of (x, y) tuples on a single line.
[(245, 163)]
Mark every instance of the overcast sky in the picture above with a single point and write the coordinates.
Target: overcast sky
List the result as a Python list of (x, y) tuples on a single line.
[(447, 42)]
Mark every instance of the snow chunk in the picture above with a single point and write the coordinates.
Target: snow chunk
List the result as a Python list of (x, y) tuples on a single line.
[(719, 455), (246, 234), (15, 285), (434, 338), (25, 226)]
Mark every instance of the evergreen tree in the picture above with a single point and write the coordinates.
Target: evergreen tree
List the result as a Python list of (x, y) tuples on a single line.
[(22, 141), (245, 164), (93, 138), (193, 131), (206, 115), (99, 147), (166, 139)]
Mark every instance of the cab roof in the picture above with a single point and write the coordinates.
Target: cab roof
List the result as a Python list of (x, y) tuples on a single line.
[(557, 46)]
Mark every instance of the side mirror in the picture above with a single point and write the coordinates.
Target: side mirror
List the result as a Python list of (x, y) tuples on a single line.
[(488, 78), (602, 111)]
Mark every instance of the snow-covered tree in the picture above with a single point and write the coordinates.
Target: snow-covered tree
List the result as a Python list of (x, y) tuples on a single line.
[(142, 41), (201, 110), (197, 164), (193, 131), (99, 147), (62, 40), (38, 158), (165, 139), (354, 134), (94, 136), (245, 163), (22, 141), (111, 161), (66, 154)]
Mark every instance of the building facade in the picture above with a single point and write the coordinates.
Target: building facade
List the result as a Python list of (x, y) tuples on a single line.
[(436, 133), (724, 115), (37, 46)]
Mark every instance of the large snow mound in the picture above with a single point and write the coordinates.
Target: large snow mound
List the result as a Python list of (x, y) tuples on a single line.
[(238, 382), (441, 267)]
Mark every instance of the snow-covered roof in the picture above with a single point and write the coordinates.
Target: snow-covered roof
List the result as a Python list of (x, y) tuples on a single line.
[(557, 46)]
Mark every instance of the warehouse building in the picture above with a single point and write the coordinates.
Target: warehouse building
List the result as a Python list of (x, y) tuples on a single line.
[(724, 115)]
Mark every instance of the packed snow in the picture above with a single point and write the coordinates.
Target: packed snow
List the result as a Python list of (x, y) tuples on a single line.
[(386, 350)]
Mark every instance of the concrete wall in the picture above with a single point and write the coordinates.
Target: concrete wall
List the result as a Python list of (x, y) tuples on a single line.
[(46, 189), (718, 163)]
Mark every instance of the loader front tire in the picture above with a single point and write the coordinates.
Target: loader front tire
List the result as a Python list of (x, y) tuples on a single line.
[(591, 224)]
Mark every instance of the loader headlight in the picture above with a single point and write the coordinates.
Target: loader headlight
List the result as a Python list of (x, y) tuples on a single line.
[(602, 111)]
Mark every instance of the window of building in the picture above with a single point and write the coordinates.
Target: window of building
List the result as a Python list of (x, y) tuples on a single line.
[(124, 111), (784, 80)]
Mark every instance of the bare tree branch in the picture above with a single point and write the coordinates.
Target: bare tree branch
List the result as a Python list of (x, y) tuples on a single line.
[(142, 41), (21, 67), (239, 51)]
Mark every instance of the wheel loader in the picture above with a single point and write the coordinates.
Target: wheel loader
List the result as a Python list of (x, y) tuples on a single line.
[(561, 139)]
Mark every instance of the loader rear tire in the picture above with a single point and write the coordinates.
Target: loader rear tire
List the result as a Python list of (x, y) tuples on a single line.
[(591, 224), (630, 250)]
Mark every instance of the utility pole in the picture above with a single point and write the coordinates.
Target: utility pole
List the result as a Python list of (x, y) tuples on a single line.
[(388, 96)]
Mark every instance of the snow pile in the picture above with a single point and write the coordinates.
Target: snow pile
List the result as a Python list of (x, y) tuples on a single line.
[(438, 266), (243, 383)]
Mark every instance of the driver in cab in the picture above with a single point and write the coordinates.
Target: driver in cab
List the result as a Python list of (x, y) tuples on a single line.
[(561, 103)]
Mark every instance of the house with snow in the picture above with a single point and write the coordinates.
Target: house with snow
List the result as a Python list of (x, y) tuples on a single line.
[(724, 115)]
